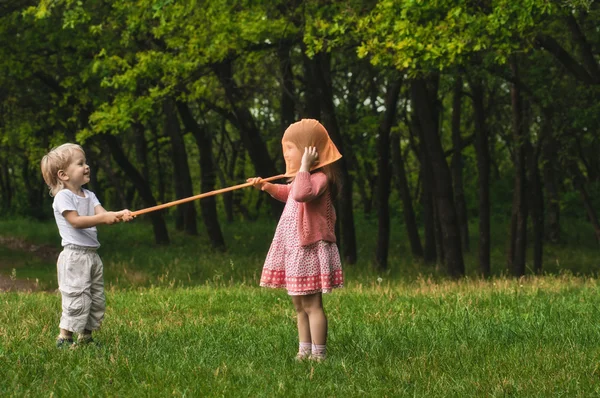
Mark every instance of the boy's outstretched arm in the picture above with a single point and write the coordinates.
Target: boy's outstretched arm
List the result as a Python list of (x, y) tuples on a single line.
[(124, 215), (103, 217)]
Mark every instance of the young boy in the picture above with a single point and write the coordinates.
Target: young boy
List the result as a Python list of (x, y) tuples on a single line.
[(77, 211)]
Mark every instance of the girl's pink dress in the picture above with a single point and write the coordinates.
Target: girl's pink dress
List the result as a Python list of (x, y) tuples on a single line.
[(300, 269)]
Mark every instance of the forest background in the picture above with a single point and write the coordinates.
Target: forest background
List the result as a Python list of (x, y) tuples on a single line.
[(452, 116), (467, 218)]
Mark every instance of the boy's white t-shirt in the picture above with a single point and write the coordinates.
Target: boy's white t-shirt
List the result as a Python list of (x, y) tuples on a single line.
[(67, 200)]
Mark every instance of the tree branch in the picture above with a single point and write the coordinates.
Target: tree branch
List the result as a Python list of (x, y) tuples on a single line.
[(463, 144), (575, 68), (587, 53)]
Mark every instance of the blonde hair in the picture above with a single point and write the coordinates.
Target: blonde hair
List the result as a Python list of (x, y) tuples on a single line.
[(57, 159)]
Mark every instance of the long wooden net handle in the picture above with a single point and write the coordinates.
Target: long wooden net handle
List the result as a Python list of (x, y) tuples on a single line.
[(200, 196)]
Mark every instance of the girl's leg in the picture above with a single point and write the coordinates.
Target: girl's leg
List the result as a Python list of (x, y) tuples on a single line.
[(313, 306), (303, 328)]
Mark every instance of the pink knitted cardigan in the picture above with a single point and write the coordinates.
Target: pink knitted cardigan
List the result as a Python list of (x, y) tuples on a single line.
[(316, 215)]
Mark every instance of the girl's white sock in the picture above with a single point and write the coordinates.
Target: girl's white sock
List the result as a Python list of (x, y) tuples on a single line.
[(319, 351), (305, 349)]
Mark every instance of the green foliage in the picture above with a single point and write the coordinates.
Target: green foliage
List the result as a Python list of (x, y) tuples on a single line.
[(420, 36), (74, 71)]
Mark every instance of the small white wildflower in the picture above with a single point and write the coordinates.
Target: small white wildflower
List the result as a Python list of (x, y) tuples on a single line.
[(379, 280)]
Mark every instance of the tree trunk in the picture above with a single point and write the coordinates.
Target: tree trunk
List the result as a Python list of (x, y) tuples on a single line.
[(430, 254), (437, 228), (8, 186), (186, 212), (287, 105), (141, 149), (427, 202), (384, 174), (424, 94), (344, 202), (33, 188), (482, 152), (457, 164), (159, 169), (362, 175), (403, 189), (312, 103), (518, 238), (223, 172), (362, 181), (579, 182), (536, 203), (227, 197), (549, 154), (161, 236), (236, 149), (114, 180), (4, 187), (249, 133), (593, 163), (588, 157), (208, 206), (287, 99)]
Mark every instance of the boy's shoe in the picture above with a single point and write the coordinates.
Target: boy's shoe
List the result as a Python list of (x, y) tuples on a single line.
[(64, 342), (85, 340)]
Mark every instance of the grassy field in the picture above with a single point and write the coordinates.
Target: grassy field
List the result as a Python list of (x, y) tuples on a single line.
[(132, 259), (534, 337), (184, 320)]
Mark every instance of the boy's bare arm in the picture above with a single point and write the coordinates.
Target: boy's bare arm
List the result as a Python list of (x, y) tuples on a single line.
[(79, 222), (99, 210), (124, 215)]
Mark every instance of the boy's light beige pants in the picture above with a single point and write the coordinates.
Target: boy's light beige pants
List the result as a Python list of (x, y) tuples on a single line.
[(81, 284)]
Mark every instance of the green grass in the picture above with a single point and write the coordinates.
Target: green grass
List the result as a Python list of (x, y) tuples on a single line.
[(534, 337), (132, 259), (185, 320)]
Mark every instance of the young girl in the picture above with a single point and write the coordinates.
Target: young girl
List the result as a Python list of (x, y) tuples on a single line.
[(304, 257), (77, 211)]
